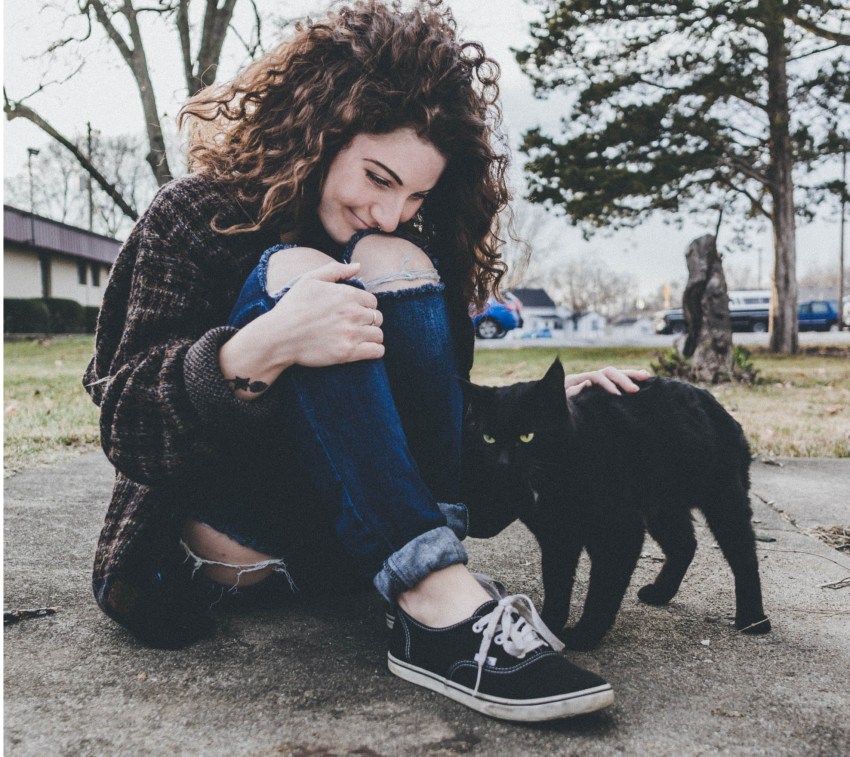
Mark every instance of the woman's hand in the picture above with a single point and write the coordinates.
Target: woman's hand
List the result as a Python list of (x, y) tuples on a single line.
[(318, 322), (614, 380), (324, 323)]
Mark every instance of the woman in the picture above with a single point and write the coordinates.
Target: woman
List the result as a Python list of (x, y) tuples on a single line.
[(318, 435)]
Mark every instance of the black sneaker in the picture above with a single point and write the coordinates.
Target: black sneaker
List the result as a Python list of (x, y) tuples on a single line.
[(494, 588), (502, 661)]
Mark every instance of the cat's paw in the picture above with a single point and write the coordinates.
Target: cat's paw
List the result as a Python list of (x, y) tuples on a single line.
[(653, 595), (578, 640), (755, 625)]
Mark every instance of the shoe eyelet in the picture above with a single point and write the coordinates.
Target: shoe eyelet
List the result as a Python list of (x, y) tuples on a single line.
[(477, 627), (499, 638)]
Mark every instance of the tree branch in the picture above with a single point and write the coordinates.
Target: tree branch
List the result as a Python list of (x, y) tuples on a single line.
[(215, 26), (182, 21), (756, 203), (811, 27), (15, 110), (739, 164)]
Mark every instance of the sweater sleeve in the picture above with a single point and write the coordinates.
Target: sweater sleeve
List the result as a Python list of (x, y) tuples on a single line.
[(155, 372)]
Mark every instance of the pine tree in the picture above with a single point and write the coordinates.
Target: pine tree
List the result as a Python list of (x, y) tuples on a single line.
[(688, 105)]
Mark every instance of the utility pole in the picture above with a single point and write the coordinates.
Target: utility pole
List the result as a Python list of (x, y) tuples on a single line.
[(90, 189), (841, 240)]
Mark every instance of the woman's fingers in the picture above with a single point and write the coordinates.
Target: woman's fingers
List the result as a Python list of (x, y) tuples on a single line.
[(613, 380), (329, 323)]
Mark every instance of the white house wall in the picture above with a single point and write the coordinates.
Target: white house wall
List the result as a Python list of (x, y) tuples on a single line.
[(21, 274), (22, 277)]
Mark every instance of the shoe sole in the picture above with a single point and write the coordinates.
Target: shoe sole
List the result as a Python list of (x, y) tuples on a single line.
[(520, 710)]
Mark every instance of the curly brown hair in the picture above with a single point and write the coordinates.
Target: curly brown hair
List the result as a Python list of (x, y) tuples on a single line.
[(272, 132)]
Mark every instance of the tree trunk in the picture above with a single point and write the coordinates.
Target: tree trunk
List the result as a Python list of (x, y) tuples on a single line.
[(783, 307), (706, 307)]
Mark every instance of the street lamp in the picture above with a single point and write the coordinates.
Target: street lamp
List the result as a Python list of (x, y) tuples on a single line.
[(31, 151)]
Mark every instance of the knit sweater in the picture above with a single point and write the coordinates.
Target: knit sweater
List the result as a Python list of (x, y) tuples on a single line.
[(167, 415)]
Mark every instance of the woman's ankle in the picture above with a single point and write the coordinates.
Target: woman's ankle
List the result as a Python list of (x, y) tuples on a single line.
[(445, 597)]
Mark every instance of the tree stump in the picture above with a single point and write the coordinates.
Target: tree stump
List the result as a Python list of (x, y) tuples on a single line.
[(706, 308)]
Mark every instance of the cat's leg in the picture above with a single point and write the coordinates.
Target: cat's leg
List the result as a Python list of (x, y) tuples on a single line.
[(729, 518), (612, 561), (674, 532), (559, 557)]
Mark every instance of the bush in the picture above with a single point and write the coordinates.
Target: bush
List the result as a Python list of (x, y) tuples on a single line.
[(22, 316), (672, 364), (90, 313), (66, 316), (53, 315)]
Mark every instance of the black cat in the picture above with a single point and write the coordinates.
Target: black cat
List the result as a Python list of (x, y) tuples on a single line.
[(594, 471)]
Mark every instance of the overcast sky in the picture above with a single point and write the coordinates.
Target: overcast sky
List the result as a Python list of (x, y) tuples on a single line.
[(104, 94)]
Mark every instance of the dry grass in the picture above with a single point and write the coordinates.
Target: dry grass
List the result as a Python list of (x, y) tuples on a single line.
[(837, 537), (802, 408), (47, 413)]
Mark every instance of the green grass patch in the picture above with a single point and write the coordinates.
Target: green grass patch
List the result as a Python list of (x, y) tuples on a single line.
[(47, 413), (800, 408)]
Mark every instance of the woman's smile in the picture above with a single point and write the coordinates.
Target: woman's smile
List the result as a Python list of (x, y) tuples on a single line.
[(378, 180)]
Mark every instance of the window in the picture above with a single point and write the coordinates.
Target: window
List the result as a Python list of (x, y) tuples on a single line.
[(95, 274), (820, 308), (81, 272)]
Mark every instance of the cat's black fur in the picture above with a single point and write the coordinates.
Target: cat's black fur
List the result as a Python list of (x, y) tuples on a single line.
[(599, 470)]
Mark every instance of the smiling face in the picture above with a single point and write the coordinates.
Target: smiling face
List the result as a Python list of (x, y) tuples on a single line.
[(378, 180)]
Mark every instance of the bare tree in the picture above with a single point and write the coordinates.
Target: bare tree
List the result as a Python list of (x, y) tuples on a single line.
[(200, 37), (60, 185), (586, 285), (532, 241)]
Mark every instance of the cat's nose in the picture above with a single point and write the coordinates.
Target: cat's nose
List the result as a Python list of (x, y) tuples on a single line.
[(504, 458)]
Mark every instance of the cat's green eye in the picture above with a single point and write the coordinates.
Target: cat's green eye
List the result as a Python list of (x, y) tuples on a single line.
[(489, 439), (526, 438)]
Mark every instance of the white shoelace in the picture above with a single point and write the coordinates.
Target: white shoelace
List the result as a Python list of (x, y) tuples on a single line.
[(519, 627)]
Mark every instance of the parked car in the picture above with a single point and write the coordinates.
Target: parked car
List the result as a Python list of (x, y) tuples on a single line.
[(670, 322), (812, 315), (544, 333), (498, 318), (817, 315), (846, 312), (742, 317)]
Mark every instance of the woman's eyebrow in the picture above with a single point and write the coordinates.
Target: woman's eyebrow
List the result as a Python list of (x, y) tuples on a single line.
[(388, 170)]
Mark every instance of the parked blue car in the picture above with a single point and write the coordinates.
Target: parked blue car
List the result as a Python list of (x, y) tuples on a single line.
[(817, 315), (498, 318)]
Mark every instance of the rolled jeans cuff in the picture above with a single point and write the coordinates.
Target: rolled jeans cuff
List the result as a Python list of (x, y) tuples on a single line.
[(457, 517), (429, 552)]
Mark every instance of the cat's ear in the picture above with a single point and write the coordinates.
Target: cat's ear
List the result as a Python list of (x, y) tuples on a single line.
[(551, 386), (555, 375), (472, 394)]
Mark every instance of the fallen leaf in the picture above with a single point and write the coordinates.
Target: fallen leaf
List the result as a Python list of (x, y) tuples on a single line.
[(10, 410), (726, 713)]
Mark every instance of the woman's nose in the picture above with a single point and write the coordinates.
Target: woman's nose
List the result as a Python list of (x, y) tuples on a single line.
[(388, 214)]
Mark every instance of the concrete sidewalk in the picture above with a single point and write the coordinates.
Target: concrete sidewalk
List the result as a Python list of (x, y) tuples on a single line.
[(311, 678)]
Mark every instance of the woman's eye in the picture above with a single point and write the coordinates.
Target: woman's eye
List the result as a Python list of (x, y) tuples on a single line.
[(379, 180), (526, 438), (488, 439)]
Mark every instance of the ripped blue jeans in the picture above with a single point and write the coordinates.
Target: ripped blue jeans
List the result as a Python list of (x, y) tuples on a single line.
[(378, 440)]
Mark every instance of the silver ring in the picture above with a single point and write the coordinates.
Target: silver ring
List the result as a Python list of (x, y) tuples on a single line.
[(374, 317)]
